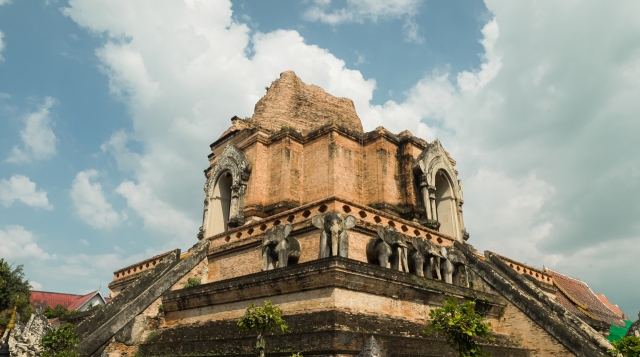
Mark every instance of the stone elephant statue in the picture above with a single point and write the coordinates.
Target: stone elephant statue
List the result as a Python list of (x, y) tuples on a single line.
[(334, 239), (453, 266), (277, 246), (389, 246), (425, 258)]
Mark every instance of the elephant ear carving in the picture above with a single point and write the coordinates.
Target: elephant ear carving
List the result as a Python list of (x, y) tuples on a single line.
[(349, 222), (444, 252), (287, 230), (382, 233), (318, 221)]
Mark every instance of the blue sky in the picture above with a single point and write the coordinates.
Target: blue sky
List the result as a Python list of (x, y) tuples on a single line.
[(107, 109)]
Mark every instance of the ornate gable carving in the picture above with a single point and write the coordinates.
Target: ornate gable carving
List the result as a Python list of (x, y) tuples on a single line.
[(231, 160)]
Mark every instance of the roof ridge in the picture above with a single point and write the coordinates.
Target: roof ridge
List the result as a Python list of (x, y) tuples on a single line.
[(53, 292)]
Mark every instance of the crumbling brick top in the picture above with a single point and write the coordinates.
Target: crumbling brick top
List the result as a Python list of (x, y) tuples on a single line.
[(292, 104)]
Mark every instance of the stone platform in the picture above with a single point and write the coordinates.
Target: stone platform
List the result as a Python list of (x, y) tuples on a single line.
[(332, 306)]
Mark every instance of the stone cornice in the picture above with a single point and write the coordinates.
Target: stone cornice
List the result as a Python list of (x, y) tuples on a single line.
[(334, 272)]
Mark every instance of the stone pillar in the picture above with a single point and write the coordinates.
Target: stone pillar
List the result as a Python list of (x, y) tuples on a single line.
[(424, 191), (236, 216), (432, 199)]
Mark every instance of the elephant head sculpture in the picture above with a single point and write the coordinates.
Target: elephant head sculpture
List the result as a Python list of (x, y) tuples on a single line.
[(388, 246), (277, 246), (424, 258), (453, 266), (334, 239)]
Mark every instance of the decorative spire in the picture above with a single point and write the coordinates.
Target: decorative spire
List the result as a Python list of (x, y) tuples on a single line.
[(4, 348), (371, 348)]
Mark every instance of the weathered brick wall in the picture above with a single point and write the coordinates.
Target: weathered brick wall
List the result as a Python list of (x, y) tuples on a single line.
[(327, 299), (381, 172), (358, 245), (372, 169), (328, 333), (529, 334), (345, 155), (317, 171), (200, 272), (234, 264)]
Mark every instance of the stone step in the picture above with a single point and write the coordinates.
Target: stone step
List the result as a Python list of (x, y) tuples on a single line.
[(97, 332), (531, 304)]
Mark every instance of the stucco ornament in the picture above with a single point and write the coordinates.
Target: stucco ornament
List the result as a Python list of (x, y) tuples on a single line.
[(334, 239), (24, 340), (278, 246), (434, 161), (454, 266), (389, 246), (424, 258), (231, 160), (372, 348)]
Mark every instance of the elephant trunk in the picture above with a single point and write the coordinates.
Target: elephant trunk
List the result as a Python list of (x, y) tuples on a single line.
[(403, 257), (335, 238)]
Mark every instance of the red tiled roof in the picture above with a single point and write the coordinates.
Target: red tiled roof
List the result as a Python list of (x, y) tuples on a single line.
[(613, 307), (69, 301), (81, 300), (45, 298), (577, 297)]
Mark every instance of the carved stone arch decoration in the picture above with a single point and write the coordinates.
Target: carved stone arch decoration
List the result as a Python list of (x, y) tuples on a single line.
[(441, 190), (232, 162)]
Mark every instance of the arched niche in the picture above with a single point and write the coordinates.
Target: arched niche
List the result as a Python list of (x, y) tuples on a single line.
[(446, 207), (219, 205), (225, 189), (440, 190)]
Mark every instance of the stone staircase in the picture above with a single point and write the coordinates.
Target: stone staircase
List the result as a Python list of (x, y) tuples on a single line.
[(572, 332), (96, 331)]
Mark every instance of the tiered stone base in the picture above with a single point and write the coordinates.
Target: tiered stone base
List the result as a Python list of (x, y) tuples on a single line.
[(331, 305), (329, 333)]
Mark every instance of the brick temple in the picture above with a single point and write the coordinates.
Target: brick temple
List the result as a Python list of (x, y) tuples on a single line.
[(353, 234)]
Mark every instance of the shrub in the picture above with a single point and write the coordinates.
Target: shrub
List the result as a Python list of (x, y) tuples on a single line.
[(460, 324), (58, 311), (628, 346), (262, 319), (60, 342), (191, 282)]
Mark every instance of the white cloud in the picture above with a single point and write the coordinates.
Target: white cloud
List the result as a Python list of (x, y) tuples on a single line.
[(182, 100), (410, 30), (117, 145), (2, 2), (18, 243), (360, 10), (506, 207), (544, 128), (90, 203), (158, 216), (35, 285), (20, 188), (39, 141), (84, 242), (2, 45)]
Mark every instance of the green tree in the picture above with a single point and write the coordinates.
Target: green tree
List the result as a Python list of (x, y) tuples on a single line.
[(12, 284), (262, 319), (60, 342), (58, 311), (461, 325), (628, 346)]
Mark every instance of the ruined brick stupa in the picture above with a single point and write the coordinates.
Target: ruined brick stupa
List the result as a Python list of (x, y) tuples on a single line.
[(352, 234)]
